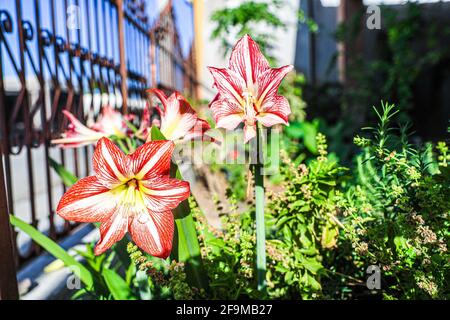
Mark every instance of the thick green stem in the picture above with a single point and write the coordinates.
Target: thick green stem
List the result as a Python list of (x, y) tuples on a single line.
[(260, 225)]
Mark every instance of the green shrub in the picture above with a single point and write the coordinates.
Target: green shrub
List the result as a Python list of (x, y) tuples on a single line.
[(397, 215)]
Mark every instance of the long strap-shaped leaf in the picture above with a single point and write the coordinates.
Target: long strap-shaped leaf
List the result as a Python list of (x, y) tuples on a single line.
[(55, 250), (186, 248), (67, 177), (118, 287)]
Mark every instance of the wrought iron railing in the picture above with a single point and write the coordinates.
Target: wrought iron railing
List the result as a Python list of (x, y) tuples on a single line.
[(76, 55)]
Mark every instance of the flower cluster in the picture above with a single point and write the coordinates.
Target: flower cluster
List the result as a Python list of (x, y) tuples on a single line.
[(133, 192)]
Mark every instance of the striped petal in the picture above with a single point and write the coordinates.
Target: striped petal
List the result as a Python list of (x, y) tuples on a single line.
[(270, 119), (152, 159), (249, 132), (275, 110), (177, 104), (77, 134), (76, 126), (112, 230), (110, 164), (88, 200), (178, 118), (198, 131), (160, 94), (248, 61), (178, 129), (75, 141), (163, 194), (268, 83), (111, 122), (227, 114), (171, 108), (229, 83), (153, 232)]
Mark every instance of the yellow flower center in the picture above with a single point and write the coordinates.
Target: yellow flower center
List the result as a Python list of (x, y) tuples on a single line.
[(250, 99), (250, 107), (130, 193)]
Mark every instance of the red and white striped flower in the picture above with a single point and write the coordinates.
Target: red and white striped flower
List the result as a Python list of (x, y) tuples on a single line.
[(248, 90), (110, 123), (179, 121), (128, 193), (77, 134)]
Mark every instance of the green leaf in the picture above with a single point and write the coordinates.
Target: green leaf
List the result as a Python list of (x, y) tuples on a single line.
[(308, 281), (156, 134), (185, 247), (315, 285), (130, 273), (79, 294), (294, 130), (310, 137), (310, 251), (54, 249), (144, 289), (117, 286), (400, 243), (329, 236), (288, 277), (67, 177), (287, 233), (282, 221), (311, 264), (305, 130)]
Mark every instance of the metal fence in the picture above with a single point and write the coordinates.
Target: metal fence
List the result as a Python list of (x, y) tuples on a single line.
[(76, 55)]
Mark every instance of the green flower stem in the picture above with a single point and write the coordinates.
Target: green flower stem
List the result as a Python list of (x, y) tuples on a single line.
[(260, 225)]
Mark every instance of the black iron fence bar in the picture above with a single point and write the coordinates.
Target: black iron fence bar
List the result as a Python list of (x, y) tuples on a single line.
[(8, 282), (6, 203), (46, 132), (123, 67), (24, 102)]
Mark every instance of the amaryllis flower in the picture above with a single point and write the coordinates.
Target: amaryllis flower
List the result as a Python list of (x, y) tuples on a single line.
[(178, 120), (128, 193), (77, 134), (248, 91), (110, 123)]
